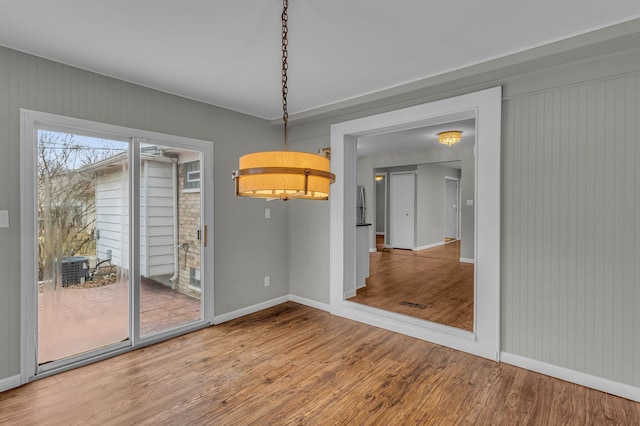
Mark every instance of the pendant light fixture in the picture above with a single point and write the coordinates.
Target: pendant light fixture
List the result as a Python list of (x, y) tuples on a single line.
[(284, 174)]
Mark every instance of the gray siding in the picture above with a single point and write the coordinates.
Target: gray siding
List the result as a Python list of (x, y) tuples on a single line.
[(112, 216), (156, 207), (241, 236), (156, 217), (571, 209)]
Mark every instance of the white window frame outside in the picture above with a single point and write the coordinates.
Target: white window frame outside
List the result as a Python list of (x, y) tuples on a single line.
[(186, 178)]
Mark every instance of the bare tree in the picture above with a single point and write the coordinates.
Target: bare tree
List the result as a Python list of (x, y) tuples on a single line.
[(66, 201)]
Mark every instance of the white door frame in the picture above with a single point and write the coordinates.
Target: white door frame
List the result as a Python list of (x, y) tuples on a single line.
[(385, 206), (457, 181), (30, 121), (485, 106)]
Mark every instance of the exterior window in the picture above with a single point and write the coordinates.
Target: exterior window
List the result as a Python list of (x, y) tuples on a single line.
[(194, 278), (191, 175)]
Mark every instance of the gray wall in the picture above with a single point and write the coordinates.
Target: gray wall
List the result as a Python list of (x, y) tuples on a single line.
[(430, 202), (247, 246), (394, 161), (309, 241), (571, 227), (570, 196)]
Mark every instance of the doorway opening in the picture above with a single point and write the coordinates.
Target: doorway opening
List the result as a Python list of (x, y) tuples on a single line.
[(485, 107)]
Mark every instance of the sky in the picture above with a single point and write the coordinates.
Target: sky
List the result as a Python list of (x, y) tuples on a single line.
[(77, 150)]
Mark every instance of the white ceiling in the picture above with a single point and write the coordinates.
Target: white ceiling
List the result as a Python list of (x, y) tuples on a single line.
[(418, 138), (227, 52)]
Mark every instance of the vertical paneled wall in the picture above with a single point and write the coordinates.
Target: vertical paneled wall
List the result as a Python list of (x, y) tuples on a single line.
[(571, 227)]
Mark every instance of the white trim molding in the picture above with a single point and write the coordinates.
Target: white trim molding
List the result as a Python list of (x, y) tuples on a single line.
[(485, 106), (467, 260), (573, 376), (428, 246), (269, 304), (311, 303), (219, 319), (10, 382)]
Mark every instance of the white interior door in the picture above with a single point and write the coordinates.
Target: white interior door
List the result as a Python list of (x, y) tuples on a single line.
[(451, 208), (401, 211)]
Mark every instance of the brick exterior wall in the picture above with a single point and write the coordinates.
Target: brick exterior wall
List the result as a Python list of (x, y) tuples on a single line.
[(189, 245)]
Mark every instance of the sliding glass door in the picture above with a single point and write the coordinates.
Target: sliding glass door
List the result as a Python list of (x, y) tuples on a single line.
[(83, 286), (119, 240), (171, 237)]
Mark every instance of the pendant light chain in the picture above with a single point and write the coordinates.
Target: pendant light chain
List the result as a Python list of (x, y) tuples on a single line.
[(285, 67), (284, 174)]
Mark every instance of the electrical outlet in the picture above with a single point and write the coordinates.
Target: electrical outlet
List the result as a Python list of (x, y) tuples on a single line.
[(267, 281), (4, 218), (267, 213)]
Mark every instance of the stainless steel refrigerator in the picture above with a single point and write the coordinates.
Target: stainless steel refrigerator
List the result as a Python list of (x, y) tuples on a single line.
[(361, 210)]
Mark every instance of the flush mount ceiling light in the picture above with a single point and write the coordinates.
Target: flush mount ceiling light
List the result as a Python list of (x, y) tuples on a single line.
[(379, 177), (449, 137), (284, 174)]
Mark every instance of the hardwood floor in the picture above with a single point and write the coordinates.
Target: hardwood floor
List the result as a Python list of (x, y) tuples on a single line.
[(430, 284), (292, 364)]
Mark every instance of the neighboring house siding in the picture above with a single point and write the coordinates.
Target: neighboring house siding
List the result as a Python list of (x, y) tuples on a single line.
[(156, 218), (112, 216), (156, 232)]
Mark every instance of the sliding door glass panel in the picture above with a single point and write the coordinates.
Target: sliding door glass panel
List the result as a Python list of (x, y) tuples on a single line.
[(83, 244), (171, 234)]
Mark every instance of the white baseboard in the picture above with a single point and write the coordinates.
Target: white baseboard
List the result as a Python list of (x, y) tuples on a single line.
[(349, 294), (583, 379), (309, 302), (379, 233), (372, 250), (10, 383), (467, 260), (219, 319), (428, 246)]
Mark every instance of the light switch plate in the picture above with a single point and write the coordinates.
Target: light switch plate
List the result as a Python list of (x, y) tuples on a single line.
[(267, 213), (469, 202), (4, 218)]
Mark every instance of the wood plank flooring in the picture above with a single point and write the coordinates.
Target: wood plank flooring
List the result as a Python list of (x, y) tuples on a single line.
[(295, 365), (430, 284)]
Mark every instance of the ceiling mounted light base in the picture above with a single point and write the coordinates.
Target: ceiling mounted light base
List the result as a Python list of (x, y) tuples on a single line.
[(449, 137), (283, 175)]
